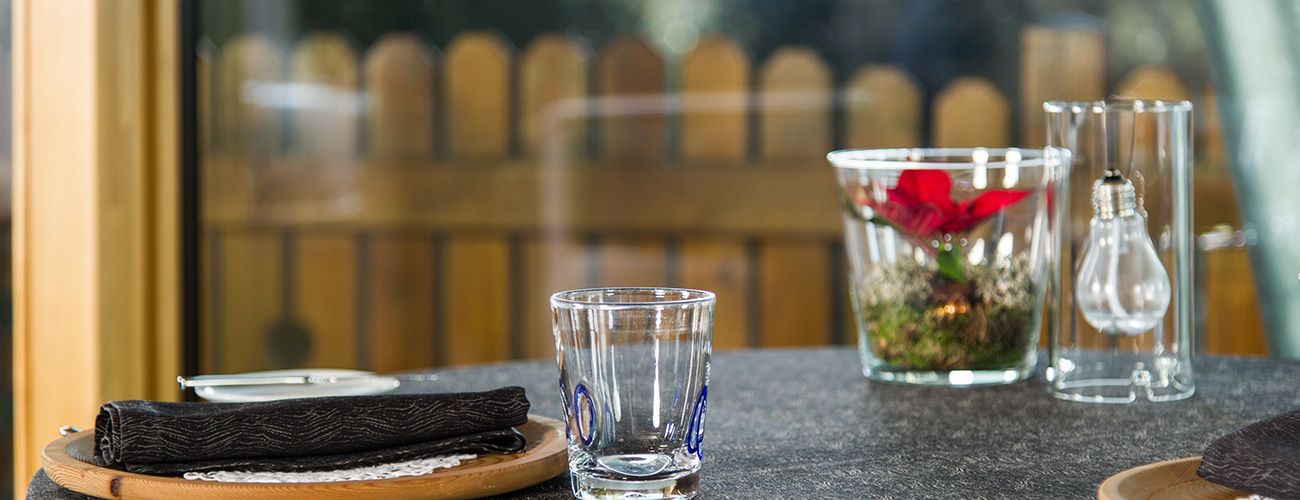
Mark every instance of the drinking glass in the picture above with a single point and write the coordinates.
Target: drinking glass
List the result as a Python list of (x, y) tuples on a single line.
[(634, 374)]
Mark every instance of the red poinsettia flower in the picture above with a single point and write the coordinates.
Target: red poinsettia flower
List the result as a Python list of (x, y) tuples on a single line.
[(921, 205)]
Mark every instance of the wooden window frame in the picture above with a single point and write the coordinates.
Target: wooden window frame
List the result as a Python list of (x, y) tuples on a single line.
[(96, 247)]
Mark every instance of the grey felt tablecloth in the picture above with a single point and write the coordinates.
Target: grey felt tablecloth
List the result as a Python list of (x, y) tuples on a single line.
[(787, 424)]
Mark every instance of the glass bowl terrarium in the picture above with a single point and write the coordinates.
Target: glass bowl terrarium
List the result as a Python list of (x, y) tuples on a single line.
[(948, 255)]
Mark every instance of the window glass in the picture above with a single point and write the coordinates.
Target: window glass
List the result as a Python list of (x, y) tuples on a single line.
[(397, 185)]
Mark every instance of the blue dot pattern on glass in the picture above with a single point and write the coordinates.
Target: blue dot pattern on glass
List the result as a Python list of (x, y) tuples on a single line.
[(695, 432), (582, 398)]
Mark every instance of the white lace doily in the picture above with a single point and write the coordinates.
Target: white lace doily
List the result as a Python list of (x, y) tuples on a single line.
[(382, 471)]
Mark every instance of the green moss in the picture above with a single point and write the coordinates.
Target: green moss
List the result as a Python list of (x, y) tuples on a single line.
[(985, 323)]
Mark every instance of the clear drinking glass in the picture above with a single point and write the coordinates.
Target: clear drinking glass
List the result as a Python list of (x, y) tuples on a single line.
[(634, 374), (1121, 322)]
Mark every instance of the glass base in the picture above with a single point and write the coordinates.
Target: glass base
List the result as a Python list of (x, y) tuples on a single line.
[(956, 378), (874, 369), (592, 487), (1108, 377)]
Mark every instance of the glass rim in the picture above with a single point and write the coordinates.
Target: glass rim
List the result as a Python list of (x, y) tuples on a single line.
[(671, 296), (1112, 105), (924, 158)]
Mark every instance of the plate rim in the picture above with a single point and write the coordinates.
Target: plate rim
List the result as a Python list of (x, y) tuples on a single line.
[(550, 453), (378, 384), (1180, 471)]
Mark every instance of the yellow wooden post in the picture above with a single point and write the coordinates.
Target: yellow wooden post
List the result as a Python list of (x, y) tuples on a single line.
[(95, 253)]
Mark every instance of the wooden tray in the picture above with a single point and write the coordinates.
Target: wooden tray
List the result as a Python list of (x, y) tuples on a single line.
[(1170, 480), (545, 457)]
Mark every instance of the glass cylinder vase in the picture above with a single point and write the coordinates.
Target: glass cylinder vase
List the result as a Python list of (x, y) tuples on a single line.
[(948, 252), (1121, 323)]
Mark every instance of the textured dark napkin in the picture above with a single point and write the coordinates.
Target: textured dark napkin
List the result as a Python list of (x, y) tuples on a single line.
[(1262, 458), (294, 435)]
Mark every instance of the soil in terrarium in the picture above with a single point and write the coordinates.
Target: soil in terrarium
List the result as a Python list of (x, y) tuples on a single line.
[(915, 319)]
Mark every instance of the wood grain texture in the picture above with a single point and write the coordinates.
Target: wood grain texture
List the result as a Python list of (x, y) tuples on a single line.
[(714, 96), (882, 108), (325, 290), (477, 300), (553, 112), (399, 83), (1058, 63), (477, 67), (1169, 480), (714, 127), (970, 112), (544, 458), (551, 263), (323, 124), (794, 293), (1152, 82), (477, 295), (1232, 322), (95, 280), (243, 121), (399, 302), (507, 194), (794, 105), (794, 113), (630, 83), (246, 305)]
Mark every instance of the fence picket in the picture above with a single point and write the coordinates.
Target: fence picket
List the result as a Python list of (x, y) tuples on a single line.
[(245, 123), (794, 104), (399, 84), (552, 82), (553, 132), (970, 112), (882, 109), (715, 73), (1058, 63), (476, 292), (325, 105), (478, 95), (794, 297), (630, 83)]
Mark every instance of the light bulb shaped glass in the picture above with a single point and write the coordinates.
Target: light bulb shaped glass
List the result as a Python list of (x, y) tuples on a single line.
[(1122, 288)]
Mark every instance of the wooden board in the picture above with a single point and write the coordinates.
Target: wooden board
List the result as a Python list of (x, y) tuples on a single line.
[(488, 475), (1169, 480)]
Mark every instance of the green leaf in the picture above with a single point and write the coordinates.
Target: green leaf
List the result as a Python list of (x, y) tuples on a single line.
[(950, 264)]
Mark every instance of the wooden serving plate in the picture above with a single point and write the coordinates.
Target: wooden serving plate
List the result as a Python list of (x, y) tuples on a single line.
[(1169, 480), (545, 457)]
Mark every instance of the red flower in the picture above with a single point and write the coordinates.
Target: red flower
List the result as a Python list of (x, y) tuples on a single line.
[(920, 204)]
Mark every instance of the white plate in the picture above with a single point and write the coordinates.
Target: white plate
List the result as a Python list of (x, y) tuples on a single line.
[(369, 383)]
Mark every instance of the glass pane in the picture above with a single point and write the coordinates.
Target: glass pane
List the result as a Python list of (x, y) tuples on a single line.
[(397, 185)]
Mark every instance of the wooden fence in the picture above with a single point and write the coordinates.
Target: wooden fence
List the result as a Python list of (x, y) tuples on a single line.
[(406, 207)]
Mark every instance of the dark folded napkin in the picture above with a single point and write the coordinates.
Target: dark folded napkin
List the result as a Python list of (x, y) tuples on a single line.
[(1262, 458), (294, 435)]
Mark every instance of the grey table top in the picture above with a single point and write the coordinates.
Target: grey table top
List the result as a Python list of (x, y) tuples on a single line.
[(787, 424), (805, 423)]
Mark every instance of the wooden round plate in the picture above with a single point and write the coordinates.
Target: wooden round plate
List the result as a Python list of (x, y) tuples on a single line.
[(545, 457), (1169, 480)]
